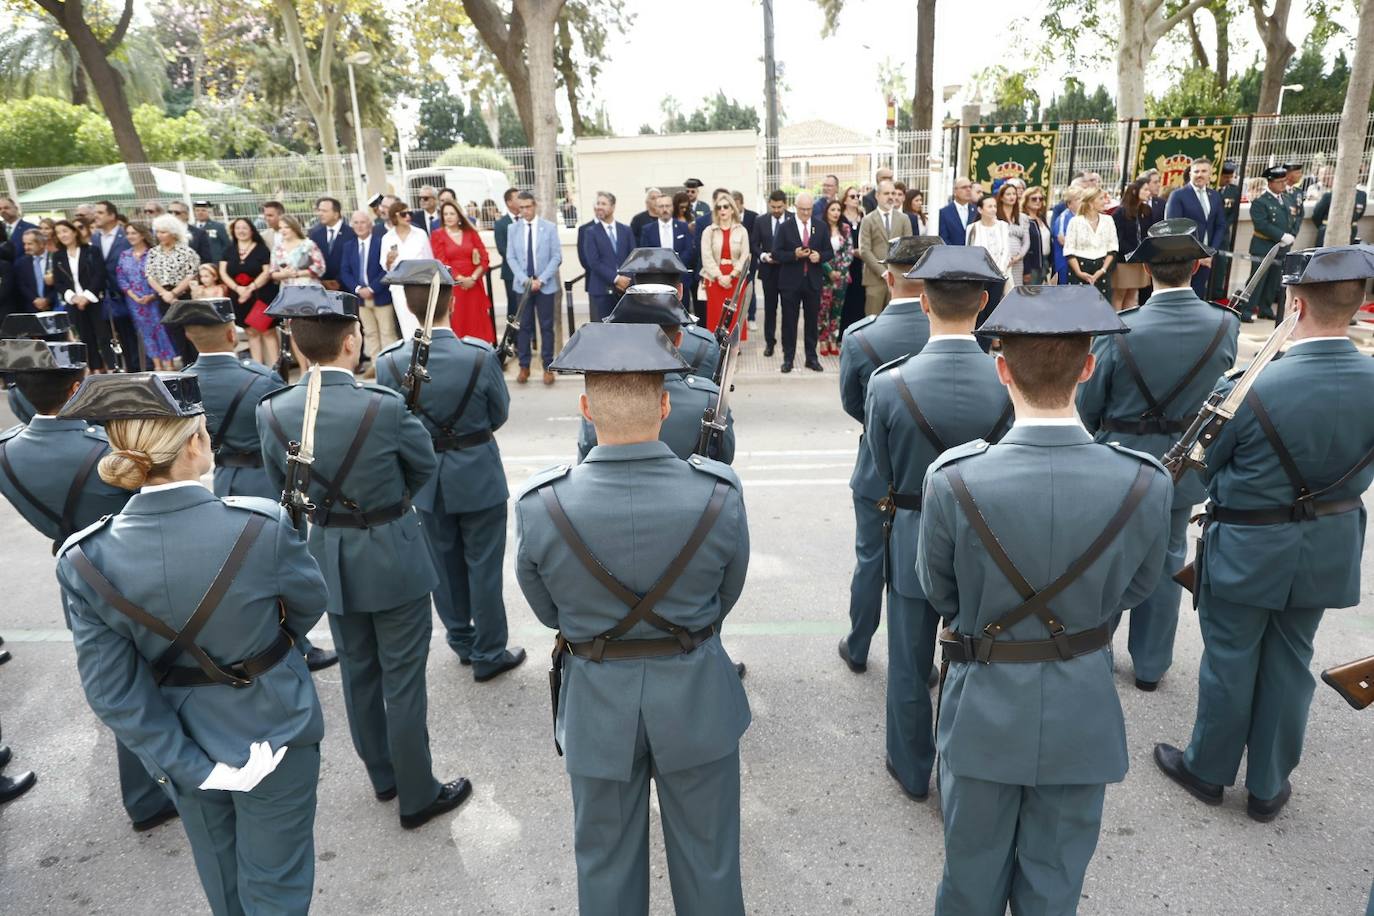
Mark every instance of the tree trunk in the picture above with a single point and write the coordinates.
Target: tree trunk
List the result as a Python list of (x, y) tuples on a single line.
[(81, 90), (567, 69), (1351, 135), (1143, 24), (1195, 39), (541, 17), (1221, 16), (923, 104), (317, 87), (507, 41), (1278, 51)]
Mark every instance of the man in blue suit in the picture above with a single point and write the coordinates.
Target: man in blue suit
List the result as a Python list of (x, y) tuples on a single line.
[(333, 237), (31, 292), (500, 232), (360, 273), (666, 232), (1282, 539), (534, 255), (602, 245), (109, 237), (1198, 202), (15, 225), (958, 213)]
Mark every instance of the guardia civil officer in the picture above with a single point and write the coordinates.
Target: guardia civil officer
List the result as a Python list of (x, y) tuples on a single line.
[(1146, 389), (47, 472), (1029, 547), (635, 557), (463, 506), (230, 389), (1281, 541), (370, 455), (690, 395), (917, 407), (650, 266), (899, 330), (1271, 222), (51, 326), (187, 656)]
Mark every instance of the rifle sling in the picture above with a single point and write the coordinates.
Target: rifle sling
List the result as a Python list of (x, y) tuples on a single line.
[(217, 437), (333, 488), (1155, 409), (66, 522)]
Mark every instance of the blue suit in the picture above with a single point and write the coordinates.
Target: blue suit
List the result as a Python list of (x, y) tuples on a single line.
[(954, 227), (600, 259), (677, 717), (28, 284), (254, 850), (1183, 203), (548, 256), (16, 239), (899, 330), (1059, 225), (115, 307), (334, 254), (353, 274), (682, 245)]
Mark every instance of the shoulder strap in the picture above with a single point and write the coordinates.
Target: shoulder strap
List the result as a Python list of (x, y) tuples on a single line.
[(915, 411), (1153, 407), (985, 534), (217, 439), (23, 491), (275, 424), (400, 384), (447, 426), (1348, 475), (698, 353), (867, 347), (67, 525), (335, 486), (1197, 367), (1290, 467), (999, 429)]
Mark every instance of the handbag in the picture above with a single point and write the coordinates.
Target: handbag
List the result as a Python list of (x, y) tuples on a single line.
[(257, 317)]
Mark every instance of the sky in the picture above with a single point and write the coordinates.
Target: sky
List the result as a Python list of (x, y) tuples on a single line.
[(836, 78)]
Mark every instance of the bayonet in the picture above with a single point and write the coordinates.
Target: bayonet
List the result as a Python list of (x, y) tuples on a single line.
[(418, 373), (714, 418), (300, 455)]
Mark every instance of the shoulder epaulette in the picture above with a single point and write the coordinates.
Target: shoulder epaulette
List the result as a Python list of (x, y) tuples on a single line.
[(13, 431), (478, 342), (258, 504), (715, 468), (373, 386), (966, 450), (394, 345), (861, 323), (94, 432), (258, 368), (540, 478), (1130, 311), (1139, 456), (701, 383), (79, 536), (290, 386), (1224, 307), (892, 363)]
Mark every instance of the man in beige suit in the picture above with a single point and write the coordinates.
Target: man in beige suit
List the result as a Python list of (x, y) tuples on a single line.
[(877, 229)]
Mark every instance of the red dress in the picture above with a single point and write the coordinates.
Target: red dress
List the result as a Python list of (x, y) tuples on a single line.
[(717, 294), (470, 315)]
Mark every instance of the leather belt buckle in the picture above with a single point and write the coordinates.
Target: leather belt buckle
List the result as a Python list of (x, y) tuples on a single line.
[(1304, 509), (1061, 642), (684, 639), (598, 650)]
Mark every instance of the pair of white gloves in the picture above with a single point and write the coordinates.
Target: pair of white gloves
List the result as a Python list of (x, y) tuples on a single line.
[(1287, 239), (261, 762)]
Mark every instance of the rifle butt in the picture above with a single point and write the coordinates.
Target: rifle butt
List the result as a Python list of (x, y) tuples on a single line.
[(1354, 681)]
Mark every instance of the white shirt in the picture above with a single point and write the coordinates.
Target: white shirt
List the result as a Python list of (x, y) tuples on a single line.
[(106, 240), (995, 239), (347, 372), (1202, 199), (223, 354), (803, 229), (159, 487), (363, 245), (935, 337), (416, 245), (1306, 340), (1081, 240), (1050, 421), (74, 260), (665, 234), (886, 217)]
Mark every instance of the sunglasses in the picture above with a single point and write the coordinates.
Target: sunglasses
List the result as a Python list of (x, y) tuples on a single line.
[(426, 196), (724, 207)]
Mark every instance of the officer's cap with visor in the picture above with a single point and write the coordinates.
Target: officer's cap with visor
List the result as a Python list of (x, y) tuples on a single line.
[(314, 302), (650, 303), (135, 396), (207, 312), (619, 349), (957, 264), (26, 355), (1170, 241), (1275, 172), (1052, 311), (36, 325), (653, 265)]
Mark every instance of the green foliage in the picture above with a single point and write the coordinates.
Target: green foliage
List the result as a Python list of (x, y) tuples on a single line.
[(463, 154), (718, 113), (164, 139), (1077, 104), (510, 132), (444, 120), (1195, 94), (1013, 99), (39, 131)]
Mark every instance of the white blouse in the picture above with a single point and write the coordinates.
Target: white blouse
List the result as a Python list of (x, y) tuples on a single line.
[(74, 262), (995, 238), (1081, 240), (414, 245)]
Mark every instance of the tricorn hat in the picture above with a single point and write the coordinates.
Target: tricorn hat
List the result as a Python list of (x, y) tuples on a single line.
[(653, 265), (135, 396), (199, 311), (1045, 311), (1170, 241), (692, 183), (650, 303), (36, 325), (1328, 265), (619, 348), (956, 263), (418, 272), (26, 355), (907, 250), (313, 302)]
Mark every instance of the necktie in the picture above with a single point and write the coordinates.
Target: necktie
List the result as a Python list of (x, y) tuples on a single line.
[(38, 276), (610, 234), (362, 261), (529, 248), (1206, 207), (887, 224), (806, 243), (329, 243)]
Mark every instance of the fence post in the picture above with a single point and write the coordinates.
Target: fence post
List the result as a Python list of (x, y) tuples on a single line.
[(1240, 178), (11, 185), (1126, 157), (355, 160), (1073, 147), (185, 192), (954, 151)]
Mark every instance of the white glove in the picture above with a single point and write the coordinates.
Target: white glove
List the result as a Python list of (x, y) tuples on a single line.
[(1287, 239), (261, 762)]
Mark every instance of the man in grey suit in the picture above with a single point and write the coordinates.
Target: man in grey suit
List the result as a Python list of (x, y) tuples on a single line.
[(1282, 539), (1146, 390), (463, 506), (917, 406), (635, 557), (1029, 548), (877, 229), (367, 539)]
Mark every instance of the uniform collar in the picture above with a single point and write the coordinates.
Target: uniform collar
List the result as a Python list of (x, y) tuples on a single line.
[(43, 422), (1313, 346), (333, 375), (1176, 294), (228, 354), (169, 498), (163, 487), (903, 306), (938, 338), (952, 343), (632, 452), (1039, 434)]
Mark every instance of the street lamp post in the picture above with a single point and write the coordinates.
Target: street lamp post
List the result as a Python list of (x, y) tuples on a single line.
[(1291, 87), (358, 59)]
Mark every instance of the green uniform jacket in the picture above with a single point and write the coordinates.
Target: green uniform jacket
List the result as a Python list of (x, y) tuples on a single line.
[(1292, 199), (46, 456), (1270, 219), (634, 506), (221, 376), (1047, 492), (700, 350), (367, 569), (1320, 396), (1321, 213), (901, 329), (688, 398)]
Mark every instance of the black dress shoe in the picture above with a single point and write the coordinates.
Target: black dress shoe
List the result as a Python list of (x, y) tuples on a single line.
[(1147, 686), (11, 787), (768, 350), (386, 795), (464, 661), (1265, 811), (451, 795), (1248, 319), (507, 661), (1170, 760), (786, 367), (814, 365), (739, 669), (318, 659), (891, 771), (5, 755), (4, 656), (162, 817), (856, 667)]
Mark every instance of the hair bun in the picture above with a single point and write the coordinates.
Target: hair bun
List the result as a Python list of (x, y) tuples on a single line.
[(137, 456)]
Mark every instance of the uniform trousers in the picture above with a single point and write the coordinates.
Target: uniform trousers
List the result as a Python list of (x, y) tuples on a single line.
[(876, 297), (540, 308), (143, 797), (379, 327), (699, 807), (382, 658), (1270, 289), (804, 303), (911, 627), (468, 549), (866, 585), (1254, 692), (1024, 845), (255, 851), (1154, 621)]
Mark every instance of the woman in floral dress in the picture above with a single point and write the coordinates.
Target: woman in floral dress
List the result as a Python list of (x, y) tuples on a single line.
[(131, 276), (835, 283)]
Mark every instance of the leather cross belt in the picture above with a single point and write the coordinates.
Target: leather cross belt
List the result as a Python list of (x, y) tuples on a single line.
[(960, 647), (246, 670), (1304, 510), (599, 650)]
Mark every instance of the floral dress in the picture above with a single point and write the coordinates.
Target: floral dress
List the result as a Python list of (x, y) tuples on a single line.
[(131, 276), (833, 292)]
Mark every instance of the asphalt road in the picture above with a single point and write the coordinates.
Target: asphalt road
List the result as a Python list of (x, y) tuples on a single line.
[(825, 829)]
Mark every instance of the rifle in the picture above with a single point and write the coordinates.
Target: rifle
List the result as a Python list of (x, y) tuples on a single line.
[(285, 360), (728, 310), (418, 373), (117, 350), (300, 455), (713, 419), (506, 351), (1354, 681)]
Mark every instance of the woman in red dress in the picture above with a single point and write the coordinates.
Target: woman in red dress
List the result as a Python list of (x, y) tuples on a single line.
[(457, 244), (724, 260)]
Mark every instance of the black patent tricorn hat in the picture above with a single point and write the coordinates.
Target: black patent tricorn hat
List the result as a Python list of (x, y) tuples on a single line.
[(909, 249), (313, 302), (135, 396), (418, 272), (662, 263), (619, 348), (199, 311), (36, 325), (1333, 264), (957, 264), (650, 303), (1045, 311), (1170, 241), (28, 355)]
